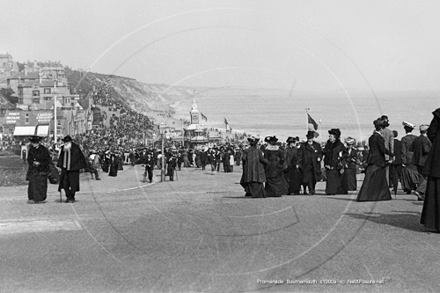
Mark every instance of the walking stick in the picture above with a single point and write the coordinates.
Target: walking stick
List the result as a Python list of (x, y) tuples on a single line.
[(61, 198)]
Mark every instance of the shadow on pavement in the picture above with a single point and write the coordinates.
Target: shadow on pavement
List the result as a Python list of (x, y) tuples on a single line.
[(338, 198), (402, 219)]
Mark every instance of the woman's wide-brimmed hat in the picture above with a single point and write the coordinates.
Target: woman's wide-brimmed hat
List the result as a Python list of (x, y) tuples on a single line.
[(35, 138), (271, 139), (335, 131), (385, 120), (253, 138), (291, 139), (378, 122), (350, 140)]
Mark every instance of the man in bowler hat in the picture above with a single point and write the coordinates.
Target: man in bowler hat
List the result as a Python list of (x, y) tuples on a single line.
[(71, 160)]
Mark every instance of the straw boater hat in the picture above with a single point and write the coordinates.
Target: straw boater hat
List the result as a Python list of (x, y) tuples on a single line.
[(407, 124), (424, 127), (350, 140)]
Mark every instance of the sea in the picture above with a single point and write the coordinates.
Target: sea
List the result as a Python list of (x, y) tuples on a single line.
[(284, 114)]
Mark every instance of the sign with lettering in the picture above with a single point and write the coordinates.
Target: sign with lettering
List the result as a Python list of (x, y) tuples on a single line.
[(44, 117), (12, 117)]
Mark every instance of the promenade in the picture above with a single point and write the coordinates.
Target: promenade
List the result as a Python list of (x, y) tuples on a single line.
[(200, 234)]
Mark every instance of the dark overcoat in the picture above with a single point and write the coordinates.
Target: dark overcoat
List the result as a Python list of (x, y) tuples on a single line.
[(420, 146), (253, 165), (432, 164), (78, 162), (77, 157), (407, 155), (333, 154), (309, 160), (276, 161)]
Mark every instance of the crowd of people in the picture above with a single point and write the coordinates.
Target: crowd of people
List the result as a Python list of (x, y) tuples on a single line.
[(294, 167), (271, 170)]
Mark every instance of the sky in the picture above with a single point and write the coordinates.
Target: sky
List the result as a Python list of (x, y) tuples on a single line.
[(298, 45)]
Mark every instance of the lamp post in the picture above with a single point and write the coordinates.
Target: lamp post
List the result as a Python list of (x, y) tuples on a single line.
[(162, 167), (55, 125), (162, 171)]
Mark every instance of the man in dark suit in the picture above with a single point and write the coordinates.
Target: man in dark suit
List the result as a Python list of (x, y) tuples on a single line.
[(149, 165), (396, 165), (71, 160), (421, 147), (309, 162)]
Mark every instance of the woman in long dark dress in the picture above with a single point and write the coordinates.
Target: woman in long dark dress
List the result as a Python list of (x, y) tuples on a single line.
[(350, 161), (113, 166), (375, 186), (38, 161), (333, 152), (431, 206), (105, 162), (276, 185), (120, 162), (292, 174), (253, 176)]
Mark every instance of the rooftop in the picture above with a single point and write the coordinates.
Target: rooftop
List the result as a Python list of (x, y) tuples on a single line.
[(22, 75)]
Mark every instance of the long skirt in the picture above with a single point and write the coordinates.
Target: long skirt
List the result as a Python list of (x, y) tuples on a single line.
[(334, 182), (293, 177), (431, 206), (276, 186), (375, 185), (350, 178), (186, 162), (105, 166), (37, 189), (120, 165), (254, 189), (410, 178), (113, 170)]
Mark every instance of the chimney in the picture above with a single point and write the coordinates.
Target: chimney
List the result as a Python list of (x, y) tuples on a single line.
[(25, 69), (40, 75)]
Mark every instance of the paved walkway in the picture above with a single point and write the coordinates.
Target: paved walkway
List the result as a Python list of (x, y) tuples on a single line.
[(200, 234)]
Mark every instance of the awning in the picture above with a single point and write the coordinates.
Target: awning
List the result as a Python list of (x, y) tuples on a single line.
[(43, 130), (24, 130)]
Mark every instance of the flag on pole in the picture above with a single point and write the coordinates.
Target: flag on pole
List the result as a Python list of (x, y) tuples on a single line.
[(204, 117), (228, 127), (312, 122)]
